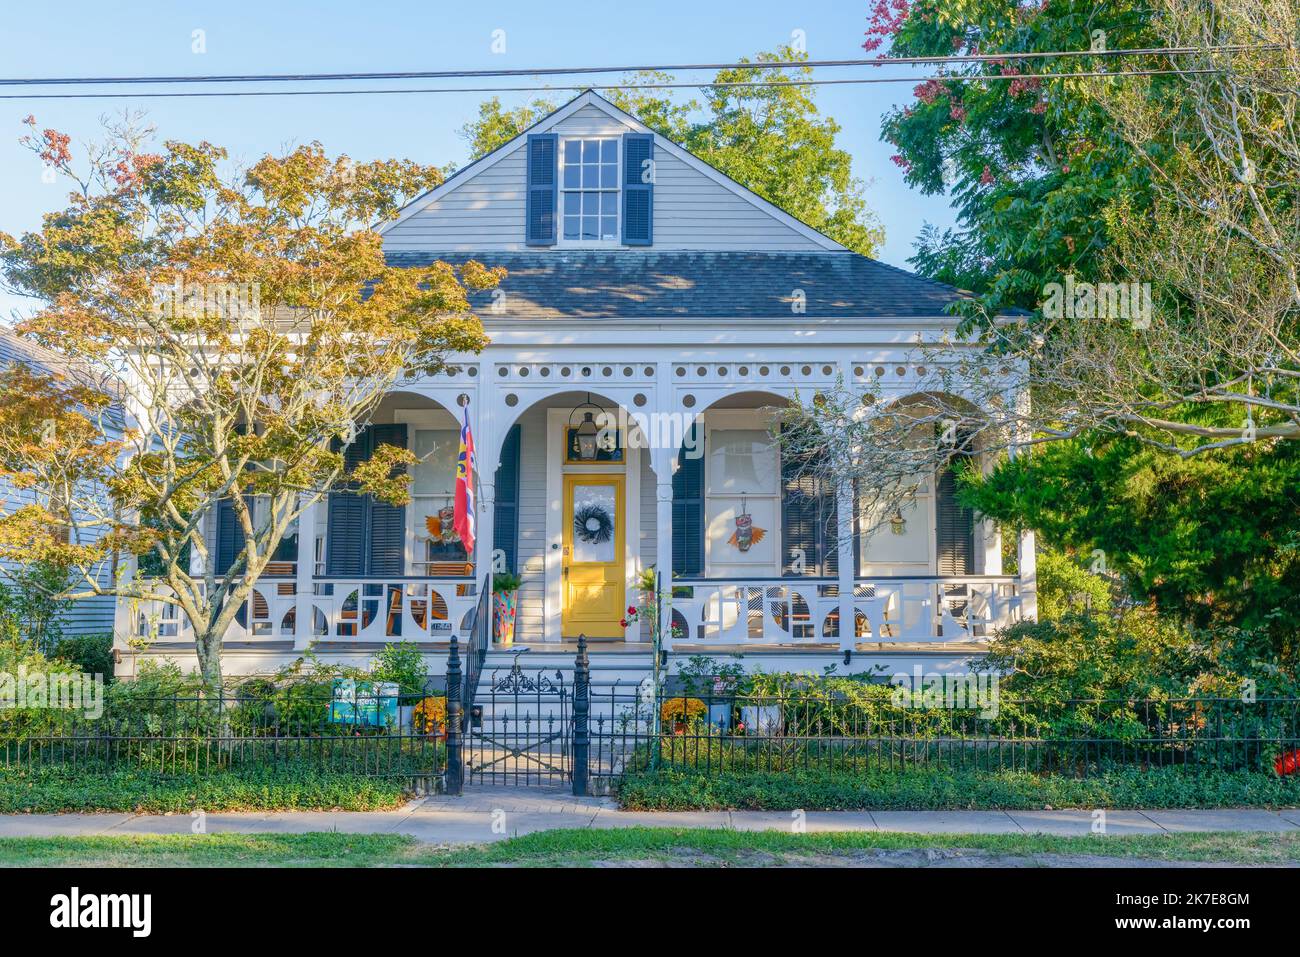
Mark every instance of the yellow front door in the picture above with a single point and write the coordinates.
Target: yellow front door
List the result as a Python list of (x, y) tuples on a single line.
[(594, 578)]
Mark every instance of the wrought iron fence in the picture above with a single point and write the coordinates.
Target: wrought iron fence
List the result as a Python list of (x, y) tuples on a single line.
[(374, 734), (816, 729)]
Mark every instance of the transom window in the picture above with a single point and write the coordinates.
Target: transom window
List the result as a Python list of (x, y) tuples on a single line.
[(589, 182)]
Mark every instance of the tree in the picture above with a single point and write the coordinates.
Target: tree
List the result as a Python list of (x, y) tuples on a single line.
[(246, 325), (768, 138)]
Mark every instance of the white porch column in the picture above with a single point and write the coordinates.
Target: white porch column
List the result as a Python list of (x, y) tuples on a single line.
[(305, 588), (844, 522), (1027, 559), (664, 553), (485, 560)]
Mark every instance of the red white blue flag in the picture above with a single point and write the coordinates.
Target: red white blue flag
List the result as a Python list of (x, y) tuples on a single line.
[(466, 521)]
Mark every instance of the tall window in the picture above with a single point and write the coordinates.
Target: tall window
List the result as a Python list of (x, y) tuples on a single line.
[(589, 181)]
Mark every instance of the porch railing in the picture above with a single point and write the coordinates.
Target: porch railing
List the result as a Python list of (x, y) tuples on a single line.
[(338, 609), (887, 609)]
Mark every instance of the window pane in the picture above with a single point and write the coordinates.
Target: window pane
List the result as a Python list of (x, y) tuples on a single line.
[(589, 227), (591, 151), (589, 201), (435, 472), (572, 151), (608, 227), (608, 203), (572, 176), (608, 176), (570, 227), (572, 203), (609, 151)]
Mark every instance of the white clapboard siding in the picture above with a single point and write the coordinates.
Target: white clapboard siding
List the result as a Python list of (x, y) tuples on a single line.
[(532, 523), (485, 212)]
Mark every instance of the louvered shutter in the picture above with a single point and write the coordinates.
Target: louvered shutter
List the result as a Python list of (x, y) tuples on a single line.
[(542, 193), (808, 522), (638, 189), (506, 517), (955, 531), (387, 523), (688, 509), (230, 536), (345, 541)]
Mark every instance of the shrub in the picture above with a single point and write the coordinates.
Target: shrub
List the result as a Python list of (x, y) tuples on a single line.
[(92, 654), (403, 665)]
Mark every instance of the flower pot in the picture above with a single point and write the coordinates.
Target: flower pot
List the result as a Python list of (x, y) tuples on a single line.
[(504, 606)]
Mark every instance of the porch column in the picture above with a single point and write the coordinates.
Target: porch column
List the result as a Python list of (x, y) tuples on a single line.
[(664, 551), (844, 522), (485, 554), (305, 588), (1027, 559)]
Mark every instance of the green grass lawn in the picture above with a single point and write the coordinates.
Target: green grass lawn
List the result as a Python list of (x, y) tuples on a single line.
[(663, 846)]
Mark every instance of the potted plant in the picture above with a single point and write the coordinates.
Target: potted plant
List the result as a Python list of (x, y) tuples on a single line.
[(505, 606)]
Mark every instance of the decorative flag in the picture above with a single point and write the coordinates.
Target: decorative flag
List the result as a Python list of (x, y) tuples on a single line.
[(466, 521)]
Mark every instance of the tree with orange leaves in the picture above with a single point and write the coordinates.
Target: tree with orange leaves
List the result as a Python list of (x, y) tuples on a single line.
[(245, 323)]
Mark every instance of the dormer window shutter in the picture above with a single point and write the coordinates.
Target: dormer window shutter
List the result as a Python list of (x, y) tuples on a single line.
[(542, 196), (638, 189)]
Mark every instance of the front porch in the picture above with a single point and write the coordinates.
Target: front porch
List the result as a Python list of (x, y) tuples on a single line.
[(685, 476)]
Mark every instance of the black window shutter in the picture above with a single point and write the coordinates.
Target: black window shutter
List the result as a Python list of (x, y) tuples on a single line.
[(542, 192), (955, 531), (809, 522), (387, 552), (506, 516), (688, 508), (345, 533), (638, 189), (230, 535)]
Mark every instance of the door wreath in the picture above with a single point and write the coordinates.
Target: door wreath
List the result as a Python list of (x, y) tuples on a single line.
[(592, 524)]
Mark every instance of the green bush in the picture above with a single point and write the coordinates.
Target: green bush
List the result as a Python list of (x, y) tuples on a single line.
[(93, 654), (55, 789), (931, 789), (403, 665)]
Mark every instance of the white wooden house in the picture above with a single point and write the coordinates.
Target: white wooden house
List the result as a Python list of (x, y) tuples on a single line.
[(643, 284), (86, 616)]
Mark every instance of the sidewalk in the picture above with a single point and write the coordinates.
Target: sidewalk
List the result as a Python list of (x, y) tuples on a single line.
[(485, 815)]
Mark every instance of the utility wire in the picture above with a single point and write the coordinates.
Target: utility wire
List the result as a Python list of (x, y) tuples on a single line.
[(844, 81), (665, 68)]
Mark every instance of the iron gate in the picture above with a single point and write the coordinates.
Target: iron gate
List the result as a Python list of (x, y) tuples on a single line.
[(528, 727), (520, 729)]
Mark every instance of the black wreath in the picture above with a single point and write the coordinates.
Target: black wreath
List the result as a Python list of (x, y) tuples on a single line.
[(604, 529)]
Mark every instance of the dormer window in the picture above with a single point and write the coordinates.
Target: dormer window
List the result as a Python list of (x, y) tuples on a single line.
[(589, 190)]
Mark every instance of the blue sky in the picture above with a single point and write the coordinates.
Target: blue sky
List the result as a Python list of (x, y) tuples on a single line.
[(283, 36)]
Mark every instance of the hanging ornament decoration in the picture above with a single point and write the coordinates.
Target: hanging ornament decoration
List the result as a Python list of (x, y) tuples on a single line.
[(592, 524), (442, 527), (747, 534), (898, 524)]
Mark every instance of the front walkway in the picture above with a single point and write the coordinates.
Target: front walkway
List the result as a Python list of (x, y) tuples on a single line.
[(486, 814)]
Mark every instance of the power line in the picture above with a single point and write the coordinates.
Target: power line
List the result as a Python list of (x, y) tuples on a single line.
[(663, 68), (845, 81)]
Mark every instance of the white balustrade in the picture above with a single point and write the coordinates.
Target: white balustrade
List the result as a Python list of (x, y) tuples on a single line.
[(342, 609), (899, 610)]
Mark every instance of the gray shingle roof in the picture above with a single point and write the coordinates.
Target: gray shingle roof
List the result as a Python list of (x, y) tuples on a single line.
[(46, 361), (590, 284)]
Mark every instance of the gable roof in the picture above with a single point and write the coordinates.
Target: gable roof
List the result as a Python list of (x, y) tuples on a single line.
[(645, 284), (557, 116)]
